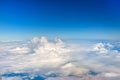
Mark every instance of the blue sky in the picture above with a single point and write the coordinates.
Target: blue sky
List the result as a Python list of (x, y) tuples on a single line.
[(79, 19)]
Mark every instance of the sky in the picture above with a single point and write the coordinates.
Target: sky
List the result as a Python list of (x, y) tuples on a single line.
[(68, 19)]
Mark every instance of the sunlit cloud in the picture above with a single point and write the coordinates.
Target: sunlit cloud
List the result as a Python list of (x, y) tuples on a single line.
[(64, 60)]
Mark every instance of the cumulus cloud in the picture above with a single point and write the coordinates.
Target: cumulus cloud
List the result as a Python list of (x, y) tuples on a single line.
[(41, 53), (100, 47), (70, 69), (66, 60), (20, 50)]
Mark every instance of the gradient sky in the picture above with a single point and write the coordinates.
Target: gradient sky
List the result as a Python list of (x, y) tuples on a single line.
[(79, 19)]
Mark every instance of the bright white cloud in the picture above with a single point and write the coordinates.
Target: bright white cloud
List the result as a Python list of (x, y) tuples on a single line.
[(57, 57), (20, 50)]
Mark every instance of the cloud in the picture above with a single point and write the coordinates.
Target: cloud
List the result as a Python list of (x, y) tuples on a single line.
[(100, 47), (112, 74), (66, 59), (70, 69), (83, 78), (41, 53), (11, 78), (20, 50)]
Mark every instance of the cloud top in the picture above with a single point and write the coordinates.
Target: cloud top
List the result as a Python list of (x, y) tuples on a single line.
[(63, 59)]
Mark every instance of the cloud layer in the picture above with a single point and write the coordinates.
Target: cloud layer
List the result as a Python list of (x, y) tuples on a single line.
[(58, 60)]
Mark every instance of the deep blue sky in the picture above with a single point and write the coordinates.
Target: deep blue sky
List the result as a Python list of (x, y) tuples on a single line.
[(80, 19)]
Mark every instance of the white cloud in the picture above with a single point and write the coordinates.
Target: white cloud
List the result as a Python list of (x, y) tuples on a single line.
[(71, 69), (20, 50), (100, 47), (112, 74), (64, 59)]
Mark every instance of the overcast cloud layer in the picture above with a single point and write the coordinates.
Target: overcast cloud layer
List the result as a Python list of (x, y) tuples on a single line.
[(58, 60)]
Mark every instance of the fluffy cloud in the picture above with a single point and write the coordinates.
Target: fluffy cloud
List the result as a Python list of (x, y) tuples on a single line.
[(66, 59), (20, 50), (100, 47), (40, 53)]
